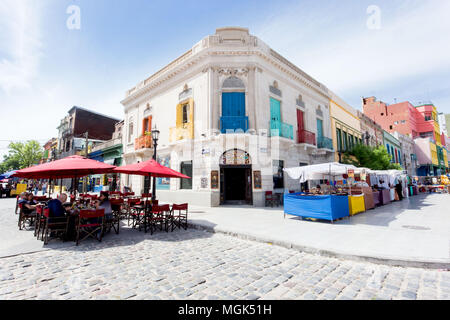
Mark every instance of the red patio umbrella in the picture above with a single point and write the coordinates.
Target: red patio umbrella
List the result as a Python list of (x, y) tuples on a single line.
[(150, 168), (69, 167)]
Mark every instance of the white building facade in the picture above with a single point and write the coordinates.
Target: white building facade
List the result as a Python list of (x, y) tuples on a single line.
[(232, 113)]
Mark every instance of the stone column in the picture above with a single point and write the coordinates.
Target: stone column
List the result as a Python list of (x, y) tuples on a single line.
[(215, 91), (251, 90)]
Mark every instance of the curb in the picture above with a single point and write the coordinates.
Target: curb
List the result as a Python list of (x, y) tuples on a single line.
[(327, 253)]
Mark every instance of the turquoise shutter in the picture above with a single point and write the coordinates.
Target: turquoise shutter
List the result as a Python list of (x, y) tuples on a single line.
[(275, 110)]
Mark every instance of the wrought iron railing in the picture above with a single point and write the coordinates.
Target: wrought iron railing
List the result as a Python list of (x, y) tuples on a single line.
[(281, 129), (305, 136), (229, 123), (324, 143)]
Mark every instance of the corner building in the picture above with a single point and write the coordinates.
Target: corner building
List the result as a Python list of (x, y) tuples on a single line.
[(232, 113)]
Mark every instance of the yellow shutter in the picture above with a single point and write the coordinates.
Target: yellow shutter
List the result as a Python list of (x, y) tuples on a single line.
[(191, 118), (179, 115)]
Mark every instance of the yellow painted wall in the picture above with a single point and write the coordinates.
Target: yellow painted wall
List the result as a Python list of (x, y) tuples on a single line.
[(445, 157), (344, 119), (434, 156)]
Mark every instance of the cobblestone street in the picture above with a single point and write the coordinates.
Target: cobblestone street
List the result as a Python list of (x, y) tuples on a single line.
[(199, 265)]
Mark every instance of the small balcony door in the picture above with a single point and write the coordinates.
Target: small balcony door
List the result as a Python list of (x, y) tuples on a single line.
[(275, 110), (300, 120), (233, 104), (319, 128), (233, 112)]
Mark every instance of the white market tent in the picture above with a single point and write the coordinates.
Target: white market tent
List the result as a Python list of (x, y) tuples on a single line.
[(317, 171)]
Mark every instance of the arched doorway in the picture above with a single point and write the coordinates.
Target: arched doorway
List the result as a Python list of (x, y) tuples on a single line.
[(236, 178)]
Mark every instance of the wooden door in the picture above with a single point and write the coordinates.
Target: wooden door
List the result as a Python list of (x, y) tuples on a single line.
[(300, 120), (222, 185), (248, 186)]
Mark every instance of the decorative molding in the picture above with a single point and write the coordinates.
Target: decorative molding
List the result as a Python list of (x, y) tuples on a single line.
[(177, 68), (234, 72)]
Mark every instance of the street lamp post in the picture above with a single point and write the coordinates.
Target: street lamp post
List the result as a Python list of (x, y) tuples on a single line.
[(155, 137)]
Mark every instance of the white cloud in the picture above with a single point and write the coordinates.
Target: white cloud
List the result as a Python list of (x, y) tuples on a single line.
[(20, 43), (413, 41)]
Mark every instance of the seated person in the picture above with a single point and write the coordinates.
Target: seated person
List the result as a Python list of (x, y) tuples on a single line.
[(31, 199), (104, 203), (56, 206), (23, 197), (318, 189), (28, 207)]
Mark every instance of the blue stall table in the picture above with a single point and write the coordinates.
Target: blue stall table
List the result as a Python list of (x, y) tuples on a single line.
[(327, 207)]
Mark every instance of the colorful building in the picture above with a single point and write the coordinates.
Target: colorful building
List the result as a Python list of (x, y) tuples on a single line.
[(409, 157), (393, 147), (372, 133), (345, 126), (232, 113), (427, 157), (109, 152), (50, 148)]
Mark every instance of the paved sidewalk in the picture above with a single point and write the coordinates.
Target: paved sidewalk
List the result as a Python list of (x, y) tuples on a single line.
[(414, 232)]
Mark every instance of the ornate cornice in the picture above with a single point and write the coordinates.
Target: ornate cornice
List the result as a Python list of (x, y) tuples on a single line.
[(147, 85)]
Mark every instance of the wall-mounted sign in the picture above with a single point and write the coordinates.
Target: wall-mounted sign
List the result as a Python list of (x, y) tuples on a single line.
[(257, 179), (215, 179), (351, 173), (204, 183), (163, 183)]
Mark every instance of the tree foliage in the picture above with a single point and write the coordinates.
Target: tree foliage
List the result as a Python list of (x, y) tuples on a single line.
[(375, 158), (21, 155)]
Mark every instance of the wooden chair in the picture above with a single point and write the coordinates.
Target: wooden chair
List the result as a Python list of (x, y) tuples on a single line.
[(17, 204), (116, 206), (39, 222), (133, 211), (180, 218), (270, 199), (25, 217), (54, 225), (90, 222), (155, 218)]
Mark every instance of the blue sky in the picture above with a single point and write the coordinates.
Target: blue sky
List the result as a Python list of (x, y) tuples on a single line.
[(45, 68)]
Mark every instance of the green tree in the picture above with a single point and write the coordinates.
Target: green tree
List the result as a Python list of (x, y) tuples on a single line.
[(375, 158), (21, 155)]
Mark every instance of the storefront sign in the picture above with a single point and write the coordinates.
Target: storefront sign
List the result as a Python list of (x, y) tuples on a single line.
[(163, 183), (215, 179), (204, 183), (257, 179)]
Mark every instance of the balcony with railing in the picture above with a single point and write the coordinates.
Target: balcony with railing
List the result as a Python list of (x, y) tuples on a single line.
[(233, 123), (143, 142), (281, 129), (324, 143), (307, 137)]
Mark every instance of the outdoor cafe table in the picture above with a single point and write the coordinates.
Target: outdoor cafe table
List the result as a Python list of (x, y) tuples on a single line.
[(325, 207)]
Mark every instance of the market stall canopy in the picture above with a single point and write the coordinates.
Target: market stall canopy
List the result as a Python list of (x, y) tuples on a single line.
[(316, 171), (150, 167), (70, 167), (7, 175)]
